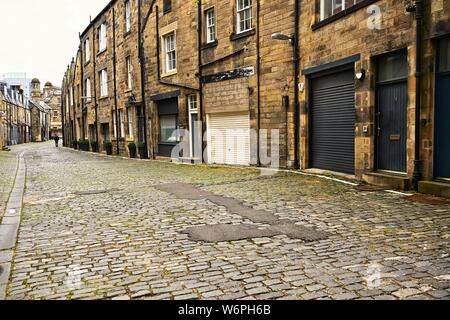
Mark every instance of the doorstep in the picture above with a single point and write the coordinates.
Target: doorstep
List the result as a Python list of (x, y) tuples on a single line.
[(188, 160), (440, 189), (396, 182)]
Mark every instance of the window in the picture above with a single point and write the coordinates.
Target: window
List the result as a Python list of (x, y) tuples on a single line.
[(102, 37), (171, 54), (130, 123), (168, 126), (103, 83), (193, 106), (127, 16), (87, 51), (122, 123), (329, 8), (55, 113), (167, 5), (244, 15), (87, 89), (393, 66), (129, 73), (210, 26), (444, 55), (114, 124)]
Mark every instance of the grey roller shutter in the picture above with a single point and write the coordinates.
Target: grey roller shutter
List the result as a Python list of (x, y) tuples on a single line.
[(333, 122)]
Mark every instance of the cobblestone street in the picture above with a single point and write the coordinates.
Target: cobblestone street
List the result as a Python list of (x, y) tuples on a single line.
[(96, 227)]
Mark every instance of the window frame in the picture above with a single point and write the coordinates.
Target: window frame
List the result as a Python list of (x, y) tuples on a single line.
[(335, 8), (210, 28), (87, 50), (127, 16), (166, 142), (167, 6), (130, 123), (243, 10), (168, 52), (114, 114), (88, 90), (102, 38), (122, 123), (103, 83), (129, 73)]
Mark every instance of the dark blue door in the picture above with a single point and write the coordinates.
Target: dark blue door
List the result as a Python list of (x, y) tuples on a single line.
[(442, 143), (392, 103)]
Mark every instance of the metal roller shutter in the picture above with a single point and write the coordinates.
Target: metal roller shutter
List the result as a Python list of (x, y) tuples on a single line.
[(333, 122), (229, 139)]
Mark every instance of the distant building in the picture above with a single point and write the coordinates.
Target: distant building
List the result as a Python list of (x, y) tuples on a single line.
[(18, 79), (50, 100)]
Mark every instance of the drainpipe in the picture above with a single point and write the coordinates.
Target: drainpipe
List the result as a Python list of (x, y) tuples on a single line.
[(115, 82), (94, 61), (417, 174), (200, 73), (142, 65), (296, 84), (63, 115), (73, 100), (258, 77), (82, 87)]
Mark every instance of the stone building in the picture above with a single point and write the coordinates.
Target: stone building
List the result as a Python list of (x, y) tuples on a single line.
[(358, 106), (334, 82), (3, 117), (40, 121), (49, 101)]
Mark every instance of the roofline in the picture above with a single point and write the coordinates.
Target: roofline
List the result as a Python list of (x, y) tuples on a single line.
[(97, 17)]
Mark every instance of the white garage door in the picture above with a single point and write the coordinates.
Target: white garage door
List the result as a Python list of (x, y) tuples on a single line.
[(229, 139)]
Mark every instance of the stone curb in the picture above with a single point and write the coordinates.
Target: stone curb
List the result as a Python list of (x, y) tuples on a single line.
[(9, 227)]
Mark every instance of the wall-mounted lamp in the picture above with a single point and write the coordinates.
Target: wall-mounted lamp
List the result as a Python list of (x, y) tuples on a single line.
[(283, 37), (361, 75)]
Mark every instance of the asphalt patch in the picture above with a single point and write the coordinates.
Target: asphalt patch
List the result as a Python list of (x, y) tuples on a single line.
[(229, 232)]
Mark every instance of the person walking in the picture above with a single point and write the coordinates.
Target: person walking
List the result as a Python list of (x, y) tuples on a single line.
[(56, 138)]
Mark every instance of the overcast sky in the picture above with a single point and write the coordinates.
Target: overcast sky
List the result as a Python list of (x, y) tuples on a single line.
[(40, 37)]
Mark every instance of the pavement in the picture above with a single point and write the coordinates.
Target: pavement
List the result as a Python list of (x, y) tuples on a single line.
[(97, 227)]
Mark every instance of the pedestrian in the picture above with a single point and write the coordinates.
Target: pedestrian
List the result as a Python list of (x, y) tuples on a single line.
[(56, 138)]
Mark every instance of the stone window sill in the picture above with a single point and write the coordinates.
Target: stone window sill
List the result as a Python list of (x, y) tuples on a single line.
[(245, 34), (168, 74), (210, 45), (101, 52)]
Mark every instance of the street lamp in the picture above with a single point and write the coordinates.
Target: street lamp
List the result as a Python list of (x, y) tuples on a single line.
[(283, 37)]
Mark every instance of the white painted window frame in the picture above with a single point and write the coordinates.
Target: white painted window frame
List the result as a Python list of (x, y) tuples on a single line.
[(103, 83), (87, 50), (128, 16), (210, 25), (244, 13), (130, 122), (129, 73), (88, 90), (170, 51), (102, 37)]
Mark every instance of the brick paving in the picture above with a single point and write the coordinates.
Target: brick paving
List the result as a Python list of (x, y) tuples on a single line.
[(95, 227)]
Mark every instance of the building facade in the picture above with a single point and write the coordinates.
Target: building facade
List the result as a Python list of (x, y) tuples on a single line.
[(353, 87)]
